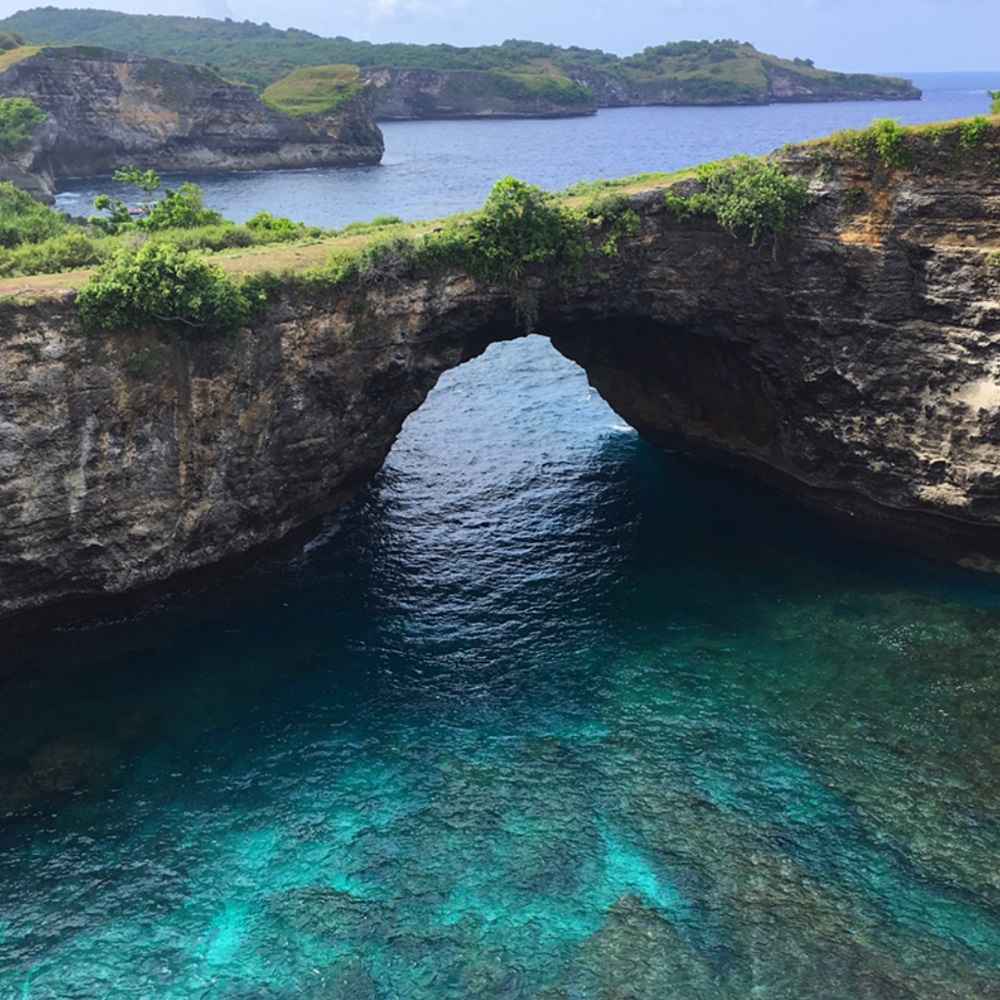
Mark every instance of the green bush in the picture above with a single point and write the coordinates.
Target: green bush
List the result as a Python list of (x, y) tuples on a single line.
[(972, 132), (19, 117), (24, 220), (379, 222), (180, 209), (614, 216), (68, 252), (994, 96), (522, 225), (884, 140), (268, 228), (887, 135), (161, 287), (745, 193), (224, 236)]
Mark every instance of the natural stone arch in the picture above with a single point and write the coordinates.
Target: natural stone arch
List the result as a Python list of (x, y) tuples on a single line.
[(853, 363)]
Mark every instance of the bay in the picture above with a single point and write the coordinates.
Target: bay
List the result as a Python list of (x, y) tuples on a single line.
[(432, 169), (543, 712)]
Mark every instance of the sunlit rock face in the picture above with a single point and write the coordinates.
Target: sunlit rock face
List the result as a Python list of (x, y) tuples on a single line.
[(853, 361), (108, 109)]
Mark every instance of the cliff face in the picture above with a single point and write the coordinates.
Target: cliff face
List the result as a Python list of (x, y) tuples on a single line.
[(405, 94), (854, 362), (110, 481), (107, 109)]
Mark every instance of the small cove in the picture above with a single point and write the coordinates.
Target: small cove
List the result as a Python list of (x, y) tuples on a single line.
[(543, 712)]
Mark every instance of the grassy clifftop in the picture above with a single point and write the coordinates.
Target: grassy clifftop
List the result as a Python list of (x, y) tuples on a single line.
[(692, 72)]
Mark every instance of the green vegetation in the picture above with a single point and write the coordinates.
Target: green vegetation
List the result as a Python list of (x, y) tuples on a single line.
[(379, 222), (154, 275), (19, 117), (316, 90), (180, 209), (146, 361), (538, 86), (522, 225), (700, 71), (164, 288), (994, 96), (68, 252), (884, 140), (972, 132), (24, 220), (745, 194), (35, 239)]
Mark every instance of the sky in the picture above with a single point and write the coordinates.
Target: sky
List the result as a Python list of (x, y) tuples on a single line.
[(877, 36)]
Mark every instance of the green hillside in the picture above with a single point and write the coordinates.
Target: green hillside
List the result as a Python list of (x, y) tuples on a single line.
[(314, 90), (261, 55)]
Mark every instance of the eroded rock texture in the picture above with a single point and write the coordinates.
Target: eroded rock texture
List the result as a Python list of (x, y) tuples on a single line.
[(854, 362), (108, 109)]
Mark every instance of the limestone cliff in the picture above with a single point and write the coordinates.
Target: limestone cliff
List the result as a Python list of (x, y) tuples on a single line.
[(774, 82), (854, 361), (107, 109), (404, 94)]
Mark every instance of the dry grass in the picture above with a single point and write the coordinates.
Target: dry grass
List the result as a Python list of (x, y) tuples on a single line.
[(12, 56)]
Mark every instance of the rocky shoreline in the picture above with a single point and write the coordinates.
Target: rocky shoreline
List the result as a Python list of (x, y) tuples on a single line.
[(107, 109)]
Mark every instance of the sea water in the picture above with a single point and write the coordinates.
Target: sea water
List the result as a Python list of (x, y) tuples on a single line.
[(543, 712)]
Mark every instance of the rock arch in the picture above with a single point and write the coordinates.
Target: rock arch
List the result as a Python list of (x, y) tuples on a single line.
[(856, 363)]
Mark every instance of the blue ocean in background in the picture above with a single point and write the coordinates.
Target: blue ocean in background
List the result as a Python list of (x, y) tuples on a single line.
[(543, 712)]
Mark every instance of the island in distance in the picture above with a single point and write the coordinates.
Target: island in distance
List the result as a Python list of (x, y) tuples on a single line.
[(514, 79)]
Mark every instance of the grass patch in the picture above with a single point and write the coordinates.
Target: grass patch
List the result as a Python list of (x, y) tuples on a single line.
[(316, 90), (10, 57)]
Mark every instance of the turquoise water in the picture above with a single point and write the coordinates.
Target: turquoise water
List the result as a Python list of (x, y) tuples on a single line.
[(543, 712)]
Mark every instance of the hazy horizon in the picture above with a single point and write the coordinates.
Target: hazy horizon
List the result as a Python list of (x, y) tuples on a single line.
[(845, 35)]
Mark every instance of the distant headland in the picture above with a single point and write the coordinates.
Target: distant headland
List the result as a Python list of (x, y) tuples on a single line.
[(295, 69)]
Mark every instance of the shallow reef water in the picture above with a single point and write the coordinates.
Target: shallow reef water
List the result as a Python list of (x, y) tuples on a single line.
[(542, 713)]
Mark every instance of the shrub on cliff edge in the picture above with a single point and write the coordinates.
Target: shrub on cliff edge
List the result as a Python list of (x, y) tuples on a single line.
[(745, 193), (521, 225), (163, 288)]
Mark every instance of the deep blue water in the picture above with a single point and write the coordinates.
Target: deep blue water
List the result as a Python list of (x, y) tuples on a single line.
[(431, 169), (543, 712)]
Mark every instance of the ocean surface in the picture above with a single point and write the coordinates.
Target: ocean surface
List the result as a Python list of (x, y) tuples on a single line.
[(543, 712)]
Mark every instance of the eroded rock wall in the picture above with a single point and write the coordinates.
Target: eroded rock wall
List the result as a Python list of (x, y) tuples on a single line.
[(108, 109), (407, 94), (124, 463), (854, 362)]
